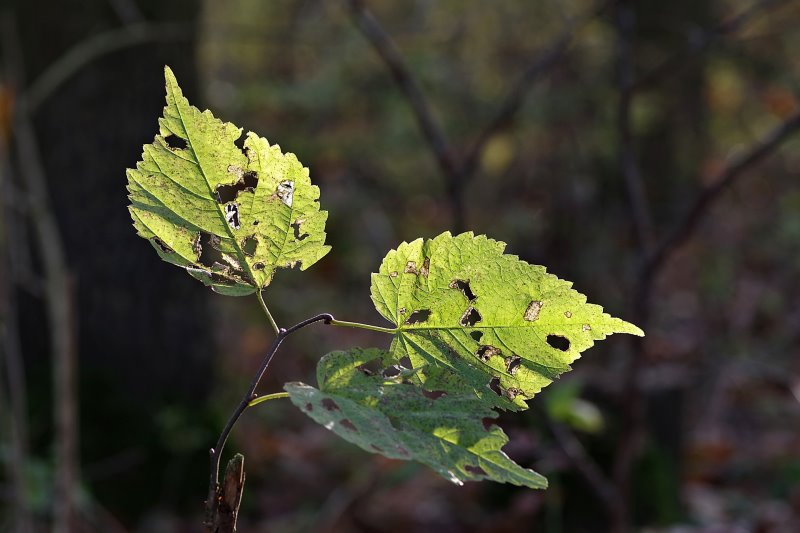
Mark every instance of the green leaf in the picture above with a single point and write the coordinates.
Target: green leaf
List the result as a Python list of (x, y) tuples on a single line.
[(230, 217), (482, 320), (394, 418)]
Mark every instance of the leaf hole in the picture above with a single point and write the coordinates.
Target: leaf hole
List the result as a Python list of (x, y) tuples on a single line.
[(239, 142), (494, 384), (232, 215), (475, 470), (470, 317), (220, 279), (486, 352), (411, 268), (391, 371), (258, 266), (433, 394), (512, 393), (249, 245), (418, 317), (296, 227), (207, 249), (558, 342), (532, 312), (329, 404), (347, 424), (512, 364), (162, 245), (463, 286), (425, 268), (488, 423), (247, 182), (285, 192), (175, 143), (309, 407), (370, 368), (476, 335)]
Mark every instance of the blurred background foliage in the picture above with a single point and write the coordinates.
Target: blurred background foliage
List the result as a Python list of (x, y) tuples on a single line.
[(631, 111)]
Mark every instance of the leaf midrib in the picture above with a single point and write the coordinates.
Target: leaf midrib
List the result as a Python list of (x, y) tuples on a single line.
[(225, 224)]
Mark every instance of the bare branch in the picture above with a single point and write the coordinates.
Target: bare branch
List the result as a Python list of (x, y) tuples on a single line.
[(93, 48), (699, 40), (456, 171), (542, 64), (739, 164), (431, 129), (12, 359), (387, 50), (683, 230), (58, 292), (634, 184), (633, 410)]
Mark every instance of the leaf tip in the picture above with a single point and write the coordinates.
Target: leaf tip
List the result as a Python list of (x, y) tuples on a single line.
[(631, 329), (168, 74), (171, 83)]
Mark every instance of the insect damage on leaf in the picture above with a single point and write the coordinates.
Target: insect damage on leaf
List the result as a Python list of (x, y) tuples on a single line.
[(229, 209), (442, 429), (492, 321)]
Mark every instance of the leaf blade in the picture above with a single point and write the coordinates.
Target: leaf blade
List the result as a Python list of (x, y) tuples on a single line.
[(399, 421), (218, 211), (484, 320)]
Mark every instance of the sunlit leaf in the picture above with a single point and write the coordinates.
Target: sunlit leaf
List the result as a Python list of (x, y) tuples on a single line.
[(229, 216), (481, 320)]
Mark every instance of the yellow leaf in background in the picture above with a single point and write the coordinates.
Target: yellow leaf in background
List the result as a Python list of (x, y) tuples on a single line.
[(498, 155)]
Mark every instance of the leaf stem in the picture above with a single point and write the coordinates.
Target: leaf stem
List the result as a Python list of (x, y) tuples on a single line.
[(216, 452), (344, 323), (268, 397), (250, 398), (272, 322)]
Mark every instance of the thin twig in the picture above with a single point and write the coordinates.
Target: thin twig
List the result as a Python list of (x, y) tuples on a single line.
[(633, 409), (11, 352), (634, 185), (91, 49), (739, 164), (58, 291), (457, 170), (428, 124), (540, 65), (216, 452), (682, 231), (700, 40)]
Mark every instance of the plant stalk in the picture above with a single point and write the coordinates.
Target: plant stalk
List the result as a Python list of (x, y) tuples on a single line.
[(216, 452), (345, 324), (272, 322), (268, 397)]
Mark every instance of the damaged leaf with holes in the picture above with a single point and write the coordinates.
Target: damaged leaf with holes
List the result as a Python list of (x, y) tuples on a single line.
[(229, 216), (382, 412), (475, 318)]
